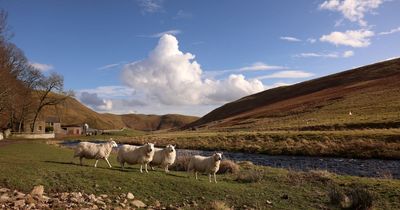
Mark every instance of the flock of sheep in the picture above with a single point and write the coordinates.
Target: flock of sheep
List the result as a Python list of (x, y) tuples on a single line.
[(145, 155)]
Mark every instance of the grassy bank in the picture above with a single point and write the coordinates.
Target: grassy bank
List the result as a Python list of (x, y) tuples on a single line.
[(373, 143), (25, 164)]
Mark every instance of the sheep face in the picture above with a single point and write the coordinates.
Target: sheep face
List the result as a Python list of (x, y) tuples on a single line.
[(217, 156), (149, 147), (170, 148), (113, 144)]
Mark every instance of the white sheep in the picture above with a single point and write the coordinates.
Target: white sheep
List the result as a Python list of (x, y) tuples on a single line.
[(136, 155), (209, 165), (164, 157), (90, 150)]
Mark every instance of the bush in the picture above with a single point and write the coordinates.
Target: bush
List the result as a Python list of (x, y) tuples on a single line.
[(361, 199), (228, 166), (357, 198), (250, 176), (337, 197), (48, 129)]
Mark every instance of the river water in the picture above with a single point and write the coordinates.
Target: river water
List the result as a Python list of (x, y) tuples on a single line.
[(344, 166)]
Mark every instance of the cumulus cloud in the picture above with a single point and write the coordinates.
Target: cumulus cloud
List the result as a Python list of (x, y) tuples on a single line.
[(172, 32), (353, 10), (356, 38), (172, 77), (93, 100), (41, 66), (290, 39), (111, 91), (287, 74)]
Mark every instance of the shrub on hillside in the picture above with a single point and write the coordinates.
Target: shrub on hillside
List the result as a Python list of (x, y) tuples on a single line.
[(228, 166), (250, 176)]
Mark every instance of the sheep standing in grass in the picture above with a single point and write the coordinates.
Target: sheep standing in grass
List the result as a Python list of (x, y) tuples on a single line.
[(164, 157), (90, 150), (209, 165), (136, 155)]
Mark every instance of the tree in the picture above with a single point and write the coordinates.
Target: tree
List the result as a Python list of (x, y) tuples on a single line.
[(50, 91)]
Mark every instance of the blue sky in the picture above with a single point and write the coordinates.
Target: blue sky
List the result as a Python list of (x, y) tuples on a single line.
[(115, 56)]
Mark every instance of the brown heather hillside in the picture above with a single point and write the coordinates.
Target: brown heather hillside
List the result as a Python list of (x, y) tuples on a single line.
[(371, 93), (73, 112)]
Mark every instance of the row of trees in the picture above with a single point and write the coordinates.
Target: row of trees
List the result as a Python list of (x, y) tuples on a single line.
[(24, 90)]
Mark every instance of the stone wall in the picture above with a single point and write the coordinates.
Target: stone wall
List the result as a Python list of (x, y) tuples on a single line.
[(34, 136)]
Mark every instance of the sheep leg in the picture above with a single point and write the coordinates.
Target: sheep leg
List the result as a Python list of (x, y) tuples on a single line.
[(166, 169), (215, 178), (123, 165), (141, 170), (80, 160), (95, 164), (209, 177), (108, 162), (145, 168), (195, 173)]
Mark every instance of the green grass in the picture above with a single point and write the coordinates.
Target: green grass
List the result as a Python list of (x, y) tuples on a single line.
[(25, 164)]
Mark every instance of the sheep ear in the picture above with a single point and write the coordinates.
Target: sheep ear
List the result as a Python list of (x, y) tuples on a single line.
[(174, 145)]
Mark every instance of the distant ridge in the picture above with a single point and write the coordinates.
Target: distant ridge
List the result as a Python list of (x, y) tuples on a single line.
[(73, 112), (362, 97)]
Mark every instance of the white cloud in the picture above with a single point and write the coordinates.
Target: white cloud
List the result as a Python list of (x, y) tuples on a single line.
[(359, 38), (311, 40), (345, 54), (323, 55), (290, 39), (171, 77), (171, 32), (395, 30), (259, 66), (348, 53), (287, 74), (41, 66), (111, 91), (110, 66), (278, 84), (93, 100), (353, 10), (150, 6)]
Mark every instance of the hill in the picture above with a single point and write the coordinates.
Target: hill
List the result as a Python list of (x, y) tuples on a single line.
[(365, 97), (73, 112)]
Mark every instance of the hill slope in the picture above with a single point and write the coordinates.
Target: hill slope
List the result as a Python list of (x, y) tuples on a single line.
[(73, 112), (371, 93)]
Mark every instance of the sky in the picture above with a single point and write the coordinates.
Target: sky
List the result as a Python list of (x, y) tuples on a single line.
[(190, 57)]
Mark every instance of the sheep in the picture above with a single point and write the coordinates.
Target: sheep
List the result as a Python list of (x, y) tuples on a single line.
[(164, 157), (90, 150), (209, 165), (136, 155)]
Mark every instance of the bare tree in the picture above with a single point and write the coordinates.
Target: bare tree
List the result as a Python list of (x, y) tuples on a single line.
[(50, 91)]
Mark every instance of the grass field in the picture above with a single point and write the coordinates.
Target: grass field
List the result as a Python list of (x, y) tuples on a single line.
[(24, 164), (368, 143)]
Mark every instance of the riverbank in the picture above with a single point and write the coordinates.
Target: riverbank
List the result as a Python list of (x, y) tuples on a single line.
[(25, 164), (371, 143)]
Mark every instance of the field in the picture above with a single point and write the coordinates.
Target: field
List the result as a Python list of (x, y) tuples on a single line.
[(24, 164), (368, 143)]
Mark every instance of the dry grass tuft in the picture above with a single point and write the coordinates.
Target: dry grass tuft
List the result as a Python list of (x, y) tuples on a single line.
[(228, 166), (219, 205), (250, 176)]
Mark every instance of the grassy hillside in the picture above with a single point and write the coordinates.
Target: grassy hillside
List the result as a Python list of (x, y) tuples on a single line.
[(371, 93), (34, 163), (73, 112)]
